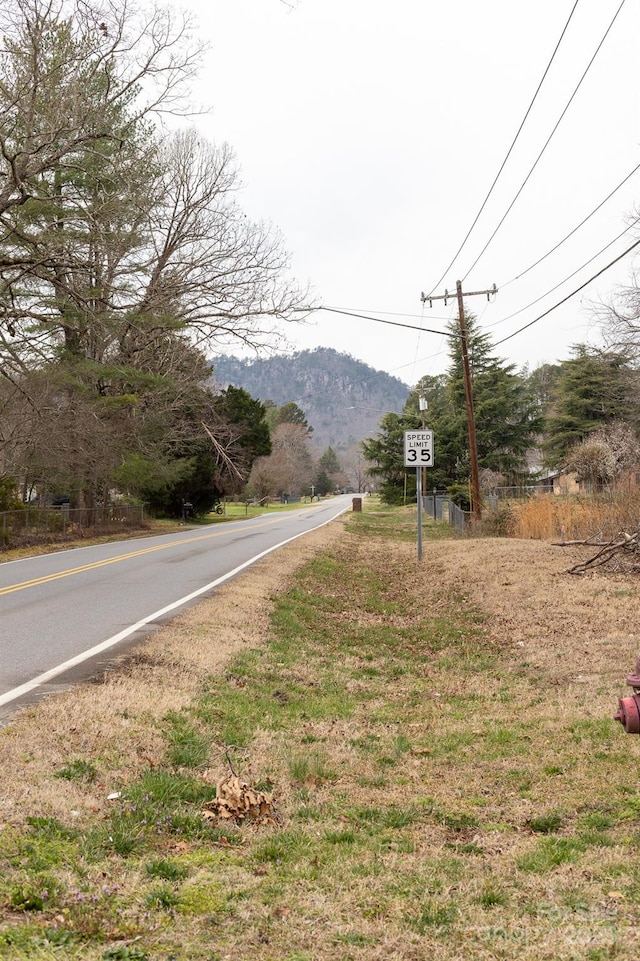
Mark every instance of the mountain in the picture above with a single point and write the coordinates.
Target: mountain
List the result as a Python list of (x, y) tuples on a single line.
[(343, 399)]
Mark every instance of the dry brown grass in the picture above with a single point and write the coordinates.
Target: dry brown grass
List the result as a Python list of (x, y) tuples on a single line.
[(575, 517)]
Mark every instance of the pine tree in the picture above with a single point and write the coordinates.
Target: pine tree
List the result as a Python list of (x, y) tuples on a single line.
[(593, 389), (506, 416), (385, 454), (329, 462)]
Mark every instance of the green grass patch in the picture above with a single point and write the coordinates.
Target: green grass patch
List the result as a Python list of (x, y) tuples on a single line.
[(431, 916), (491, 897), (168, 869), (78, 770), (310, 767), (187, 746), (549, 853), (284, 848), (549, 823)]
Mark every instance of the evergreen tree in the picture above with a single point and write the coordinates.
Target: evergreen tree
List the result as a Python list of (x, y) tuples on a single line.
[(593, 389), (506, 419), (289, 413), (385, 453), (329, 462), (329, 474), (541, 384), (242, 420), (323, 484), (200, 467)]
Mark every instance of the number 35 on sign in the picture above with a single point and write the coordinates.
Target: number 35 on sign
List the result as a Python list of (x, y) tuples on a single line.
[(418, 448)]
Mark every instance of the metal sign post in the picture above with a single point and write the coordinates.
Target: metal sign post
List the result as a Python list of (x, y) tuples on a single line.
[(419, 497), (418, 453)]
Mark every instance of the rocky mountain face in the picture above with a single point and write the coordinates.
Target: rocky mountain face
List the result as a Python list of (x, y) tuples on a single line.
[(343, 399)]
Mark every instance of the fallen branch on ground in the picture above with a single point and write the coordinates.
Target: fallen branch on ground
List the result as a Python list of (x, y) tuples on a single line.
[(622, 554), (586, 543)]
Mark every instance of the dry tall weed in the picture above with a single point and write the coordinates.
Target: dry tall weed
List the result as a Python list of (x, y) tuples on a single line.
[(577, 517)]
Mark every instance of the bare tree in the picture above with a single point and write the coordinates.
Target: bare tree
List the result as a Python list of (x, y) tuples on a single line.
[(604, 455), (358, 472), (289, 468), (490, 480), (219, 273), (592, 460), (107, 229), (55, 55), (619, 314)]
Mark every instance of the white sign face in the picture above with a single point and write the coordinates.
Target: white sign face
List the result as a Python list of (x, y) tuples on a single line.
[(418, 448)]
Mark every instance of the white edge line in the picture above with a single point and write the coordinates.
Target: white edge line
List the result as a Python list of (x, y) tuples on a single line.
[(116, 638)]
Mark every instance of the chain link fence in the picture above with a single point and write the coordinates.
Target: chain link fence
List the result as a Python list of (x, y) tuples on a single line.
[(442, 508), (39, 525)]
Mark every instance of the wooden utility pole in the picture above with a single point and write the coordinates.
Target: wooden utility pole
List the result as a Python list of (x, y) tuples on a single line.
[(468, 390), (476, 503)]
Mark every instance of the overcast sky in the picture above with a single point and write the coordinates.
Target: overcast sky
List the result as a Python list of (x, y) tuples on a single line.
[(370, 133)]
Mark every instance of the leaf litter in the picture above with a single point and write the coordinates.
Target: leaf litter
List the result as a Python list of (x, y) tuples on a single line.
[(236, 801)]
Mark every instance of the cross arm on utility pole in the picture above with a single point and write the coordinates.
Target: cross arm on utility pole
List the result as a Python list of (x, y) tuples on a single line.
[(448, 296), (468, 391)]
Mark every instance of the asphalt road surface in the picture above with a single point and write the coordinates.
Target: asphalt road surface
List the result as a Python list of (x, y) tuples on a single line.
[(63, 615)]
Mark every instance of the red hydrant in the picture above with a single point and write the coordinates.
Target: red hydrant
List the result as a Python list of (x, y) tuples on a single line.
[(629, 707)]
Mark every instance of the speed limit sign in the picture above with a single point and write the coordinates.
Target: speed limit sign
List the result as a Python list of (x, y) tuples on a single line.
[(418, 448)]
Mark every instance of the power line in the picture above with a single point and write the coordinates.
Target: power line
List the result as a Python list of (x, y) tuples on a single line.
[(569, 296), (548, 141), (575, 229), (393, 323), (568, 277), (509, 151), (522, 273), (386, 313), (392, 313)]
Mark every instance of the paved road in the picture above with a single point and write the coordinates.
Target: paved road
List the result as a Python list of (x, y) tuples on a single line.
[(59, 612)]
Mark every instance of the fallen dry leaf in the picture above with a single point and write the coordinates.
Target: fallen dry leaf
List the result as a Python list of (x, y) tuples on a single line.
[(236, 800)]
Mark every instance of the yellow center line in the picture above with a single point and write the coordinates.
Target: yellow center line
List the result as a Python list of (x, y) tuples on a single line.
[(47, 578)]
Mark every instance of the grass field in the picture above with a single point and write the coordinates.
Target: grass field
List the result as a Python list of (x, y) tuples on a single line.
[(431, 791)]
